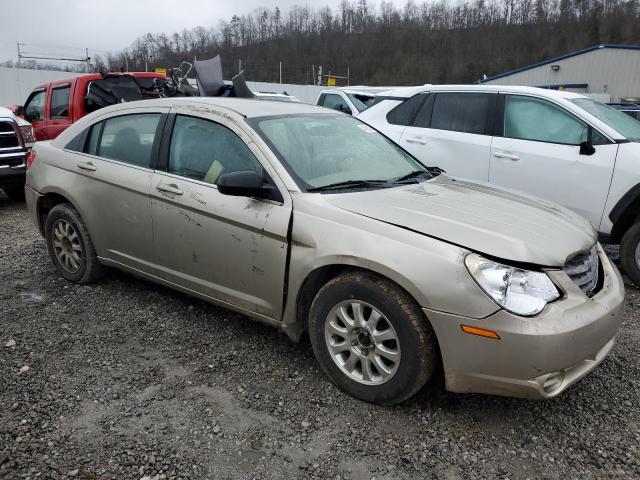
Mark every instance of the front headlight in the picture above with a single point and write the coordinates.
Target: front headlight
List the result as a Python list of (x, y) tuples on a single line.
[(28, 135), (522, 292)]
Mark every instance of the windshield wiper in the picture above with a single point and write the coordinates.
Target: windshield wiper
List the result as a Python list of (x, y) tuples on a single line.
[(350, 184), (430, 171)]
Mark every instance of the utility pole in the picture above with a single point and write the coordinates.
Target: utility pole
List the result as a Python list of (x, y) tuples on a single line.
[(239, 65), (348, 76), (320, 75), (280, 72)]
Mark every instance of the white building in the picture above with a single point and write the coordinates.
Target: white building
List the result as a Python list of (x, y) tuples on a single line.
[(608, 72)]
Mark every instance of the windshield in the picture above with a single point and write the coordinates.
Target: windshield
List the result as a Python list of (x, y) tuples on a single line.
[(322, 150), (361, 102), (619, 121)]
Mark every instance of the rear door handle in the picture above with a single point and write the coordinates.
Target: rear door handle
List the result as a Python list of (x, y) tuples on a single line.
[(506, 155), (417, 140), (86, 166), (171, 188)]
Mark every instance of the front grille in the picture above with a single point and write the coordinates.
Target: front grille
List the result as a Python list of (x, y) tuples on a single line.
[(9, 139), (583, 270)]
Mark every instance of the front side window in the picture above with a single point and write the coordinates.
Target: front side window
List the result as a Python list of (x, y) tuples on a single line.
[(619, 121), (203, 150), (336, 102), (60, 102), (128, 138), (529, 118), (34, 108), (461, 112), (322, 150)]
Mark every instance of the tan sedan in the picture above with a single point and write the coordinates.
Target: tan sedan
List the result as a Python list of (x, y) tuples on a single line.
[(311, 221)]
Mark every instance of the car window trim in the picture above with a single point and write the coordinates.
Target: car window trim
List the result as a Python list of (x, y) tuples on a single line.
[(500, 122), (162, 163)]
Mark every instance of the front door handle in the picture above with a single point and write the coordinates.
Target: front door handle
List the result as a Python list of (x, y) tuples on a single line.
[(86, 166), (506, 155), (170, 188), (417, 140)]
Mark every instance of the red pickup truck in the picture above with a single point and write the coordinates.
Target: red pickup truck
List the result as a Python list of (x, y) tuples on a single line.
[(52, 107)]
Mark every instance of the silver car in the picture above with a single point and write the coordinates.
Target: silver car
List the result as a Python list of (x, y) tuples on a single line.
[(313, 222)]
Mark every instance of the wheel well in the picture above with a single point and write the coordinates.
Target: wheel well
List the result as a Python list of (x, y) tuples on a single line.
[(46, 203), (312, 285), (625, 221)]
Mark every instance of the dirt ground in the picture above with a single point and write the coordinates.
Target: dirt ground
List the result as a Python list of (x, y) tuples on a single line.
[(129, 380)]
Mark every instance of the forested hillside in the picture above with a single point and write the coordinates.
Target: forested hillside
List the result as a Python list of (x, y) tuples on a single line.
[(381, 44)]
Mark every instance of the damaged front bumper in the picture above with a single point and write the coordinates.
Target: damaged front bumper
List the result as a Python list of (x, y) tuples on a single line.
[(537, 357)]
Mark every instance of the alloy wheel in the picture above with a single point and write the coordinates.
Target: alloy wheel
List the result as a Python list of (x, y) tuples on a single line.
[(362, 342), (66, 246)]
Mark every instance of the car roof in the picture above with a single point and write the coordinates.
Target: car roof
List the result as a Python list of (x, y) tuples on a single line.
[(406, 92), (247, 107)]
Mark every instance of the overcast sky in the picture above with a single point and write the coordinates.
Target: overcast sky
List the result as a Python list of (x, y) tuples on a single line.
[(111, 25)]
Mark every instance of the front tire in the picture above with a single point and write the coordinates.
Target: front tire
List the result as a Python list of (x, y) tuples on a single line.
[(371, 338), (630, 253), (70, 245)]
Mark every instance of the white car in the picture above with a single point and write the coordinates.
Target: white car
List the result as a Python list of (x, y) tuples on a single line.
[(560, 146), (346, 100)]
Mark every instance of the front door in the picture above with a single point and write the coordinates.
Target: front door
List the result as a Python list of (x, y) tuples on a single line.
[(34, 113), (453, 131), (232, 249), (539, 153)]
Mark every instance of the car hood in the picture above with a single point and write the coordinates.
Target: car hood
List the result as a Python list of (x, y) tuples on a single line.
[(480, 217)]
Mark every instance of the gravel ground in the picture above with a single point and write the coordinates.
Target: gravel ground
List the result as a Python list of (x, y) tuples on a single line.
[(129, 380)]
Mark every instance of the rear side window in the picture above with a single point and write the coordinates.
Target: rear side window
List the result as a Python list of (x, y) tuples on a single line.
[(462, 112), (529, 118), (60, 102), (128, 138), (204, 150), (404, 113)]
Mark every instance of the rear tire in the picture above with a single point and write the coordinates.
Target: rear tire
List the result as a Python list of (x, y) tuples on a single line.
[(70, 245), (15, 193), (371, 339), (630, 253)]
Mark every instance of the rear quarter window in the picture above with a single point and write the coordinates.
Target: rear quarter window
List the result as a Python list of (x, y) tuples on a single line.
[(404, 113)]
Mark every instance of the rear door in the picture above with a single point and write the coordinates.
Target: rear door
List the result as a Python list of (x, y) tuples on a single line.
[(34, 110), (453, 131), (59, 111), (231, 249), (537, 151), (114, 168)]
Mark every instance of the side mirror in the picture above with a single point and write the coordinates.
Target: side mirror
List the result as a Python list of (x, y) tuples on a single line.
[(247, 183), (587, 148), (18, 111)]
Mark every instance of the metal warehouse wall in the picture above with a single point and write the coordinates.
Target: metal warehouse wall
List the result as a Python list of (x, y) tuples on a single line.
[(611, 71), (17, 83)]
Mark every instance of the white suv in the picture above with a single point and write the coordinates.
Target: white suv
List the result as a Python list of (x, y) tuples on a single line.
[(561, 146)]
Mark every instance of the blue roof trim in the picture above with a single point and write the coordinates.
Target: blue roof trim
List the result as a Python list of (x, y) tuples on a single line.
[(557, 59), (564, 85)]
